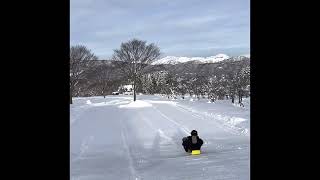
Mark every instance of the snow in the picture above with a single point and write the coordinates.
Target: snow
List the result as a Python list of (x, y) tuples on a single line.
[(136, 104), (116, 138), (176, 60), (128, 86)]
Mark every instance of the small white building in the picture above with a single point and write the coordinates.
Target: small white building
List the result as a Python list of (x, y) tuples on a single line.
[(126, 89)]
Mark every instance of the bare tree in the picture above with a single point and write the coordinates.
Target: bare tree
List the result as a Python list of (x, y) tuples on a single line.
[(104, 78), (133, 57), (80, 61)]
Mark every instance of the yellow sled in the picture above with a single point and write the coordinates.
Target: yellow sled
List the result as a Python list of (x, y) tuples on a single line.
[(195, 152)]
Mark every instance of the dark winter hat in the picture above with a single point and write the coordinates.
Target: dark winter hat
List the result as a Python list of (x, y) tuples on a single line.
[(194, 133)]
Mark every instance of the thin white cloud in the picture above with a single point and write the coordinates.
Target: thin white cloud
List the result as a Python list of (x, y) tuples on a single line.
[(194, 21)]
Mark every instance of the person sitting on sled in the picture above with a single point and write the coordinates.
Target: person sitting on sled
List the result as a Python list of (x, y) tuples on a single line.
[(192, 142)]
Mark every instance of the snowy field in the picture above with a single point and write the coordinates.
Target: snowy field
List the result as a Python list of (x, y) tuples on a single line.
[(115, 138)]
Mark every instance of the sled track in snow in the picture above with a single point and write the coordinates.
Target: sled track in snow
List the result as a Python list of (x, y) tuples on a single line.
[(83, 148), (180, 126), (130, 157), (206, 116), (132, 170), (137, 144)]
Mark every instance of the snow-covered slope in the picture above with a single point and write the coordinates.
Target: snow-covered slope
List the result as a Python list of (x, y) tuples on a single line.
[(176, 60), (115, 138)]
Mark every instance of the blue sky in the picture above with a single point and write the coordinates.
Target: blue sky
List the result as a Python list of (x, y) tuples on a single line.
[(178, 27)]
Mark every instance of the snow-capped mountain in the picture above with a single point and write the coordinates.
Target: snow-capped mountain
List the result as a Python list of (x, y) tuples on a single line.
[(177, 60), (210, 59), (239, 58)]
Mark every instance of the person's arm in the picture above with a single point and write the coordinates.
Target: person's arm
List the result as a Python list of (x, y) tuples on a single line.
[(201, 141)]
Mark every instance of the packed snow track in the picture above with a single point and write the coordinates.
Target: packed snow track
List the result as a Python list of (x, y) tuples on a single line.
[(115, 138)]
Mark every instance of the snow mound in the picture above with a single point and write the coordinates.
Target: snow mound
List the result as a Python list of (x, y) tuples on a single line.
[(162, 102), (136, 104), (236, 120), (113, 102)]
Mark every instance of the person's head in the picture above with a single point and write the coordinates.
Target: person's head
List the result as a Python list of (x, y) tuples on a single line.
[(194, 133)]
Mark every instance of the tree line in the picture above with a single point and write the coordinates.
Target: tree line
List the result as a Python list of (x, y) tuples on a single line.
[(131, 64)]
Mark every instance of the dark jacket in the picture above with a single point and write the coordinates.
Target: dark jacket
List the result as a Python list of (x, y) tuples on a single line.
[(187, 142)]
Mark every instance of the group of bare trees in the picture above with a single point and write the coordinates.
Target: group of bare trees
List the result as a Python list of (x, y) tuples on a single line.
[(81, 60), (94, 78), (91, 77), (131, 64)]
